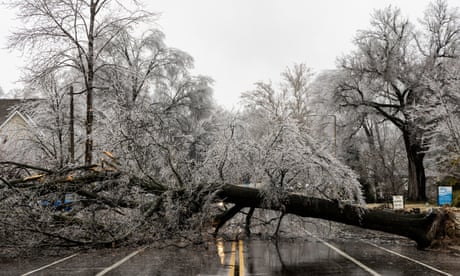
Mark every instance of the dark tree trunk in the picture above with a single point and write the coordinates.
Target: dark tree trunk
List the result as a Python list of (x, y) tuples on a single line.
[(421, 228), (416, 170), (417, 178), (247, 225), (89, 128), (72, 127), (373, 179), (89, 87), (277, 230), (225, 216)]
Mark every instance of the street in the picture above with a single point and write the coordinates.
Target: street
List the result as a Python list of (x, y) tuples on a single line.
[(313, 255)]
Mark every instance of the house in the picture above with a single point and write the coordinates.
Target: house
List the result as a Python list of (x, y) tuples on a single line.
[(6, 106), (11, 119), (15, 131)]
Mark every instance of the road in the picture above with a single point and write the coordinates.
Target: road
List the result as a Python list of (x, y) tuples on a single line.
[(313, 256)]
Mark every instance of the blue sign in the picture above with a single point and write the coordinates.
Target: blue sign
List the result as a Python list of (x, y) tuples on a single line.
[(444, 195)]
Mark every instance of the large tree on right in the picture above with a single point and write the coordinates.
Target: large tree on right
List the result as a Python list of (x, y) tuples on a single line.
[(391, 73)]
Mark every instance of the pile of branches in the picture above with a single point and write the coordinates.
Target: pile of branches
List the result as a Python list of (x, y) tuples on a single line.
[(93, 206)]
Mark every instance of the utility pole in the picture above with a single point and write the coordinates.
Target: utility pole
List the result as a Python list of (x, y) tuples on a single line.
[(71, 127)]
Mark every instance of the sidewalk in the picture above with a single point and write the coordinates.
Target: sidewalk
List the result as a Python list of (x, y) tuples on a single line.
[(407, 207)]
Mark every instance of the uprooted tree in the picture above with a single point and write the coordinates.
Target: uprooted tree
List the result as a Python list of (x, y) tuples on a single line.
[(115, 210), (424, 229)]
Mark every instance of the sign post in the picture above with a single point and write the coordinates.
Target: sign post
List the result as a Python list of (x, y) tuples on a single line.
[(444, 195), (398, 202)]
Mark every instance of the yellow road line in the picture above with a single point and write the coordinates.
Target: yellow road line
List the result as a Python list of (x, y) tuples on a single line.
[(241, 257), (232, 260)]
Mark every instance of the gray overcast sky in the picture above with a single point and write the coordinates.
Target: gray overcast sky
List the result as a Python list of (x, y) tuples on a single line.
[(240, 42)]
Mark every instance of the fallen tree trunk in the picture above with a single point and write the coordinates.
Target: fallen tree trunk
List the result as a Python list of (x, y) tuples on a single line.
[(422, 228)]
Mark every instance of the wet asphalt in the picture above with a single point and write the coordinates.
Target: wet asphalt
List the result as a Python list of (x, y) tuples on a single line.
[(360, 253)]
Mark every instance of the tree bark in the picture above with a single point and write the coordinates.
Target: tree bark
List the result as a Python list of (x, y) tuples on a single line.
[(373, 180), (225, 216), (71, 127), (422, 228), (247, 225), (89, 87), (417, 179)]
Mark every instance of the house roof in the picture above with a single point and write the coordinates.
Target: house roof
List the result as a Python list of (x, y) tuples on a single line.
[(7, 107)]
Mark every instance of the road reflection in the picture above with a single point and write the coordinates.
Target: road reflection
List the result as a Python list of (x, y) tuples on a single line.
[(249, 257), (294, 258), (221, 250)]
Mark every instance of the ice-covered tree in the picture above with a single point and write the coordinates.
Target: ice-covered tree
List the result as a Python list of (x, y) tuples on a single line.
[(440, 47), (270, 144), (389, 74), (72, 35), (156, 108), (58, 120), (370, 145)]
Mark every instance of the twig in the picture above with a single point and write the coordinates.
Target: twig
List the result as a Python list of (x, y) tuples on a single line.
[(20, 165)]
